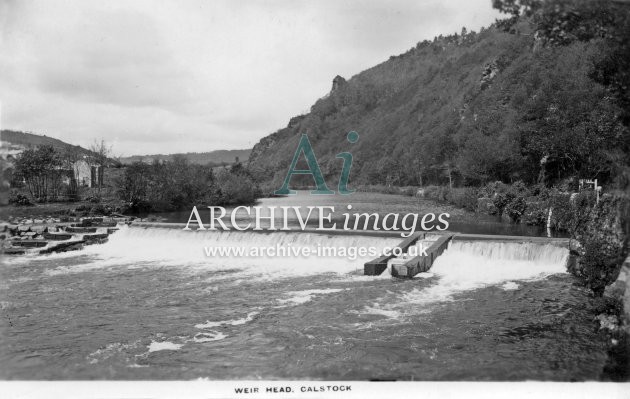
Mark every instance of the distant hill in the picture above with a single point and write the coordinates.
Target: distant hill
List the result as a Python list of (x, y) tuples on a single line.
[(31, 140), (217, 157), (22, 140)]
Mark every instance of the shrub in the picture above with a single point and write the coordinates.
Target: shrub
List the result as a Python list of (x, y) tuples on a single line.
[(485, 205), (516, 208), (19, 199), (490, 189), (464, 197), (536, 213), (436, 193), (570, 211), (83, 208), (430, 192), (93, 199), (501, 200), (504, 195), (236, 189), (409, 191), (100, 209)]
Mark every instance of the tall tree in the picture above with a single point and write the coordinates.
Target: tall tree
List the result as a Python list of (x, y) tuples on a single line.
[(100, 157)]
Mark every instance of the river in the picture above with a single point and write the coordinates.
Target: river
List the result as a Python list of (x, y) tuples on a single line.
[(150, 304)]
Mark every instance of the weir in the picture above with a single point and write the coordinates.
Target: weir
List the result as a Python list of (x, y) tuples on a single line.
[(172, 241), (435, 243), (406, 267), (421, 263)]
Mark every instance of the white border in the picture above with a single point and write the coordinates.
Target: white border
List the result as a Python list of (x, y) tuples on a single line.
[(226, 389)]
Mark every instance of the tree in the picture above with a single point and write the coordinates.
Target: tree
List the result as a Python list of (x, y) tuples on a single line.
[(100, 157), (41, 170), (70, 157)]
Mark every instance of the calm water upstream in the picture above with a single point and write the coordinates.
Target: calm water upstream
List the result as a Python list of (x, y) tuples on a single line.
[(149, 304), (460, 220)]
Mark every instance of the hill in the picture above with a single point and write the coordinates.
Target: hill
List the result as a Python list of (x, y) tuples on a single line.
[(539, 97), (31, 140), (201, 158)]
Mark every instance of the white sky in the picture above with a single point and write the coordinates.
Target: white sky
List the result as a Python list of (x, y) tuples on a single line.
[(165, 76)]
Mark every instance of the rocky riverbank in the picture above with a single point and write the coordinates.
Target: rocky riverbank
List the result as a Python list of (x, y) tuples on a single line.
[(20, 236), (614, 319)]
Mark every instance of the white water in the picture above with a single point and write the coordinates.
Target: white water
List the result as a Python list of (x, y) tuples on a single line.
[(466, 266), (301, 297), (163, 247), (235, 322), (463, 266), (164, 346)]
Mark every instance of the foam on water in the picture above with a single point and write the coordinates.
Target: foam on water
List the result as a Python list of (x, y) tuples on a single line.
[(111, 350), (209, 336), (164, 346), (300, 297), (235, 322), (468, 266), (169, 247), (376, 309)]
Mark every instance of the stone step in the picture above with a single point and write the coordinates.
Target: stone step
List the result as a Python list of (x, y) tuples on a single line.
[(107, 224), (72, 229), (379, 265), (421, 263), (29, 243), (57, 236), (94, 236), (13, 251), (92, 219)]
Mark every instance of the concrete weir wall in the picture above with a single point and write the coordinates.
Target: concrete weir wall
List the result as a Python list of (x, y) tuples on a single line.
[(378, 265), (413, 266), (420, 264)]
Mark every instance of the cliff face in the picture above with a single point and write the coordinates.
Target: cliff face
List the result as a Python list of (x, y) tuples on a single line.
[(475, 107)]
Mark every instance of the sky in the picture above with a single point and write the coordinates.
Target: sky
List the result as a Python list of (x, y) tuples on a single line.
[(197, 75)]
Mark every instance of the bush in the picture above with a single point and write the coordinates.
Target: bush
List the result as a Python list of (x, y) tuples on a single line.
[(490, 189), (570, 211), (93, 199), (505, 194), (409, 191), (516, 208), (235, 189), (464, 197), (485, 205), (536, 213), (83, 208), (436, 193), (501, 200), (19, 199), (101, 209)]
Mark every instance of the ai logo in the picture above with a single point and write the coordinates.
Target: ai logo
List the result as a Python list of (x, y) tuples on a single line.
[(313, 168)]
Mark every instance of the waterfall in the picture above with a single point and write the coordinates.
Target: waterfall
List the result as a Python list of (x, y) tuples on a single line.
[(169, 247)]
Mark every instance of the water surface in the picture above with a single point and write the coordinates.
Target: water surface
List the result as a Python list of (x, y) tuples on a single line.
[(150, 305)]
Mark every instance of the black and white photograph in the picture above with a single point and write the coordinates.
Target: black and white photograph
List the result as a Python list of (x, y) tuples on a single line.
[(314, 199)]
